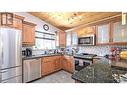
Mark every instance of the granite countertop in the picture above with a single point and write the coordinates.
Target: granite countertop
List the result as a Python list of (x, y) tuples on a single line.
[(118, 63), (101, 71), (39, 56), (95, 73)]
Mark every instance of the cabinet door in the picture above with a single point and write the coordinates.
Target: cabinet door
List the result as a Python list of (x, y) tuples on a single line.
[(74, 38), (28, 34), (103, 34), (68, 39), (119, 32), (67, 64), (62, 39), (64, 63), (70, 66), (86, 31), (47, 67), (17, 23), (57, 63)]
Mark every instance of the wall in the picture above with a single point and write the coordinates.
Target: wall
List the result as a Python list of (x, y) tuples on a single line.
[(99, 50), (39, 22)]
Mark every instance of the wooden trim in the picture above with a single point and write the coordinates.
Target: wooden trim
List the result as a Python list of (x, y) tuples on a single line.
[(18, 17), (97, 22), (96, 35), (119, 43), (112, 43), (98, 44), (50, 73), (29, 23), (111, 32), (45, 33), (14, 15)]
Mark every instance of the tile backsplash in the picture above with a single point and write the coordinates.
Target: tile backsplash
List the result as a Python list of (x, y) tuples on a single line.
[(99, 50)]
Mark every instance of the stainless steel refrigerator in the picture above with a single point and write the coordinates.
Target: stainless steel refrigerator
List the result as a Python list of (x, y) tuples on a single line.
[(10, 55)]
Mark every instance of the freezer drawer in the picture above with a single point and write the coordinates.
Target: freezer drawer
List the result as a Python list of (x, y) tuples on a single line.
[(12, 72), (17, 79), (31, 69)]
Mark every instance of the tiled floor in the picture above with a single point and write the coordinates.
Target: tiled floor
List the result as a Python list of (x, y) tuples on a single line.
[(58, 77)]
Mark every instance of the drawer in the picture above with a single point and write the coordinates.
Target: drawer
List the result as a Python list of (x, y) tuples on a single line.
[(48, 59), (9, 73), (17, 79)]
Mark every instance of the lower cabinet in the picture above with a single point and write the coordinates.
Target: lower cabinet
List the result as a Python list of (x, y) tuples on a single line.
[(50, 64), (67, 63), (56, 63)]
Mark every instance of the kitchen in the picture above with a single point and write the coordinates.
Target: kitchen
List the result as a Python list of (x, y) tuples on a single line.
[(63, 47)]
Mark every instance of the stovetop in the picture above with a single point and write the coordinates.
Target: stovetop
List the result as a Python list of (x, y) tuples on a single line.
[(85, 56)]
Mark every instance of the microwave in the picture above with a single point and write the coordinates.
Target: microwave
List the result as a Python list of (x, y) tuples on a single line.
[(86, 40)]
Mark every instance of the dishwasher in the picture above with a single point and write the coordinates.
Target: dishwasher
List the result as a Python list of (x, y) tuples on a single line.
[(31, 69)]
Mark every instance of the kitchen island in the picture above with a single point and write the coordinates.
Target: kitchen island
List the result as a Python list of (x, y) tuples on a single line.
[(102, 71)]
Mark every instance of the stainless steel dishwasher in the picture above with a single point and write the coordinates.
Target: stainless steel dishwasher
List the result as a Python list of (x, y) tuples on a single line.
[(31, 69)]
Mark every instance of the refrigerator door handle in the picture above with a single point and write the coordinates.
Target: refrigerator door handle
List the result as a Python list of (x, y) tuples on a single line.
[(2, 52), (4, 71), (2, 56)]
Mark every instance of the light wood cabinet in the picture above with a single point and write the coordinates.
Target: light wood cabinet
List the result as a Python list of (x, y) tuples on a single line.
[(50, 64), (47, 68), (68, 39), (119, 32), (103, 34), (18, 22), (28, 33), (55, 63), (71, 38), (14, 21), (62, 39), (90, 30), (67, 63), (74, 39)]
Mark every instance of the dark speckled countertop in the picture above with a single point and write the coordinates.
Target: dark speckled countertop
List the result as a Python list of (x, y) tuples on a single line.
[(115, 63), (42, 55), (101, 71), (39, 56), (95, 73)]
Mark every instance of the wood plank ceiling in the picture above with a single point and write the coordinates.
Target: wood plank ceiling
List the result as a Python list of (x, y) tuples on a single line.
[(68, 20)]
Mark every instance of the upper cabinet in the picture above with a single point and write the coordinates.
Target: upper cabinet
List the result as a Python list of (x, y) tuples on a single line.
[(90, 30), (119, 32), (62, 39), (68, 39), (74, 39), (28, 33), (11, 20), (71, 38), (17, 22), (103, 34)]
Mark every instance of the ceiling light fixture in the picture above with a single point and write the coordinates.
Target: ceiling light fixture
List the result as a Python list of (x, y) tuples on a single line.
[(123, 18)]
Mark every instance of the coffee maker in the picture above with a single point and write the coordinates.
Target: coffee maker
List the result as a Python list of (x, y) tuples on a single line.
[(27, 52)]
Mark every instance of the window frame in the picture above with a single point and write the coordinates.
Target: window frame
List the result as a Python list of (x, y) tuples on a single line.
[(45, 38)]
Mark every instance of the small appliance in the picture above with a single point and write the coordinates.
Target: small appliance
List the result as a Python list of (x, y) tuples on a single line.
[(28, 52)]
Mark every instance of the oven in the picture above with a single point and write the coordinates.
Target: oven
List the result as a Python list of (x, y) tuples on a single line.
[(81, 63)]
